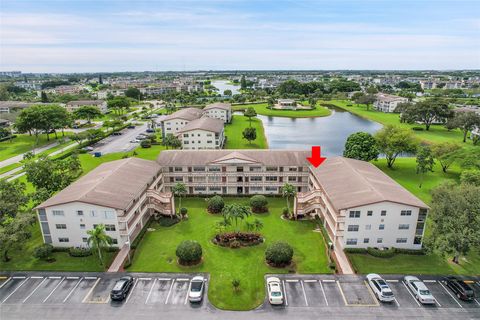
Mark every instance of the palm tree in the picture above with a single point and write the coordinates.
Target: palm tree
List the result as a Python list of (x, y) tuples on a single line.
[(98, 239), (179, 189), (257, 225), (235, 212), (288, 191)]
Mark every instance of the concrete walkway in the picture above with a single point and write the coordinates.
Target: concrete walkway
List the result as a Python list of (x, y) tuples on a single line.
[(117, 264), (342, 260)]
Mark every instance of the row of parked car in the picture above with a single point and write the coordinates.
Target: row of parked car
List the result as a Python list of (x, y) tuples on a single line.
[(382, 291), (123, 286)]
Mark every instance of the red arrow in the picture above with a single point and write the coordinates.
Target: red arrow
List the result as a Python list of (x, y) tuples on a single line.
[(316, 159)]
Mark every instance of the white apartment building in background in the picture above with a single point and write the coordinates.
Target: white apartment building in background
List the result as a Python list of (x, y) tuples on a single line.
[(74, 105), (219, 110), (172, 123), (359, 205), (387, 103), (202, 133)]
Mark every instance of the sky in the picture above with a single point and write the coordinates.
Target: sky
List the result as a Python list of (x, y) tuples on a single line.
[(123, 35)]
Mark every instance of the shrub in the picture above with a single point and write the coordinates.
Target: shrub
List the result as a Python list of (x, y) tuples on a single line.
[(235, 244), (183, 212), (168, 221), (145, 144), (259, 204), (60, 249), (285, 212), (411, 251), (387, 253), (215, 204), (238, 239), (189, 252), (79, 252), (417, 128), (279, 254), (355, 250), (236, 284), (43, 252)]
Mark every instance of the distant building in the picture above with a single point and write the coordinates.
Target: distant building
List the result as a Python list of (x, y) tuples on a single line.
[(202, 133), (177, 120), (74, 105), (219, 110), (286, 104), (11, 106), (387, 102)]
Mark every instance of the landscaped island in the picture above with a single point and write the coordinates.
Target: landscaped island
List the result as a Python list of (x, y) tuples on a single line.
[(262, 108)]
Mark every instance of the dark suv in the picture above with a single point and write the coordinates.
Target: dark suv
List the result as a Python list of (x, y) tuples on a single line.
[(121, 288), (461, 289)]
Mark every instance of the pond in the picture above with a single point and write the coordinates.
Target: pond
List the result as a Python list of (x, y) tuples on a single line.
[(328, 132), (223, 85)]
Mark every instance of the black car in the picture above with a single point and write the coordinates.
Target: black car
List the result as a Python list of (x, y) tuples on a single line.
[(461, 289), (131, 127), (121, 288), (117, 133)]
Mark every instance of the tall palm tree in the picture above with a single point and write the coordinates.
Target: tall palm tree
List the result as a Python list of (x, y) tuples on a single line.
[(235, 212), (179, 189), (288, 191), (98, 239)]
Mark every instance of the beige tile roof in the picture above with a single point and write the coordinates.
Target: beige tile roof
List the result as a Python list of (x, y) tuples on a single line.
[(112, 184), (218, 105), (351, 183), (85, 102), (389, 97), (186, 114), (204, 157), (205, 123)]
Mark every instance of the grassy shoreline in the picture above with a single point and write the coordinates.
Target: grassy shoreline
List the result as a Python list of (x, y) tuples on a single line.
[(261, 108)]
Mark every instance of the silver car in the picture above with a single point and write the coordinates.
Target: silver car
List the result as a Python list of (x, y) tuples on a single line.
[(197, 287), (419, 290)]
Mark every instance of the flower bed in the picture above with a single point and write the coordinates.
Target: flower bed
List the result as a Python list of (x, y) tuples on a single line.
[(238, 239)]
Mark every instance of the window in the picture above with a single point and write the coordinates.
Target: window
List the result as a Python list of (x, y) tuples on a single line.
[(63, 240), (178, 179), (267, 178), (84, 239), (351, 242), (109, 215), (109, 227), (255, 178), (406, 213), (354, 214), (353, 227), (369, 213), (271, 188), (58, 213), (82, 226), (368, 227), (61, 226), (114, 241), (383, 213), (292, 169), (403, 226), (272, 169), (214, 169), (292, 179), (93, 213), (381, 227), (215, 189), (366, 240), (379, 240), (200, 188), (178, 169), (401, 240), (198, 169), (79, 213)]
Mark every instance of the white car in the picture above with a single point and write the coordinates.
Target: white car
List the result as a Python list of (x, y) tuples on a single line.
[(380, 288), (419, 289), (197, 287), (274, 288)]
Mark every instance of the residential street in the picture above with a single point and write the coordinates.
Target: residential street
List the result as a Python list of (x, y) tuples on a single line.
[(120, 143)]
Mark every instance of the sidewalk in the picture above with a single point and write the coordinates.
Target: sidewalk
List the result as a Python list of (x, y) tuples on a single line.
[(342, 260)]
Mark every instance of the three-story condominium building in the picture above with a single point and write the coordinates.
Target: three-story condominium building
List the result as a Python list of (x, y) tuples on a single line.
[(219, 110), (387, 102), (171, 124), (202, 133), (360, 206), (74, 105)]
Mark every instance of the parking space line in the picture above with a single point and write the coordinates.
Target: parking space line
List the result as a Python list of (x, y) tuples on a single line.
[(304, 294), (150, 292), (170, 291), (323, 291), (33, 291), (71, 291), (309, 280), (477, 301), (15, 290), (1, 286), (18, 277), (374, 298), (292, 280), (188, 291), (36, 277), (54, 277), (91, 290), (285, 293), (72, 278), (90, 278), (164, 279), (391, 280), (328, 280), (182, 279), (145, 279), (396, 301), (131, 291), (429, 281), (53, 290), (341, 292), (411, 294), (450, 294)]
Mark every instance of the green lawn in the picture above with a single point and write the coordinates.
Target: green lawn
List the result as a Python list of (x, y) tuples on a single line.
[(235, 138), (404, 173), (156, 253), (437, 133), (23, 260), (21, 144), (262, 109)]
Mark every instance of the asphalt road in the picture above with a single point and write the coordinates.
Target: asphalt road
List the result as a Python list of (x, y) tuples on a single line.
[(120, 143), (42, 295)]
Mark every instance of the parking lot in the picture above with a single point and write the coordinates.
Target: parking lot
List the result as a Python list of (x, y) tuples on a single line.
[(157, 289), (304, 291)]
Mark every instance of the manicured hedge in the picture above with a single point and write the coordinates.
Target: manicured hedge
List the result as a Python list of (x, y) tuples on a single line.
[(189, 252), (279, 254), (386, 253), (79, 252)]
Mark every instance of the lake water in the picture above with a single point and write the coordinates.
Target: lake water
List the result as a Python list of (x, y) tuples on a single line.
[(328, 132), (223, 85)]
